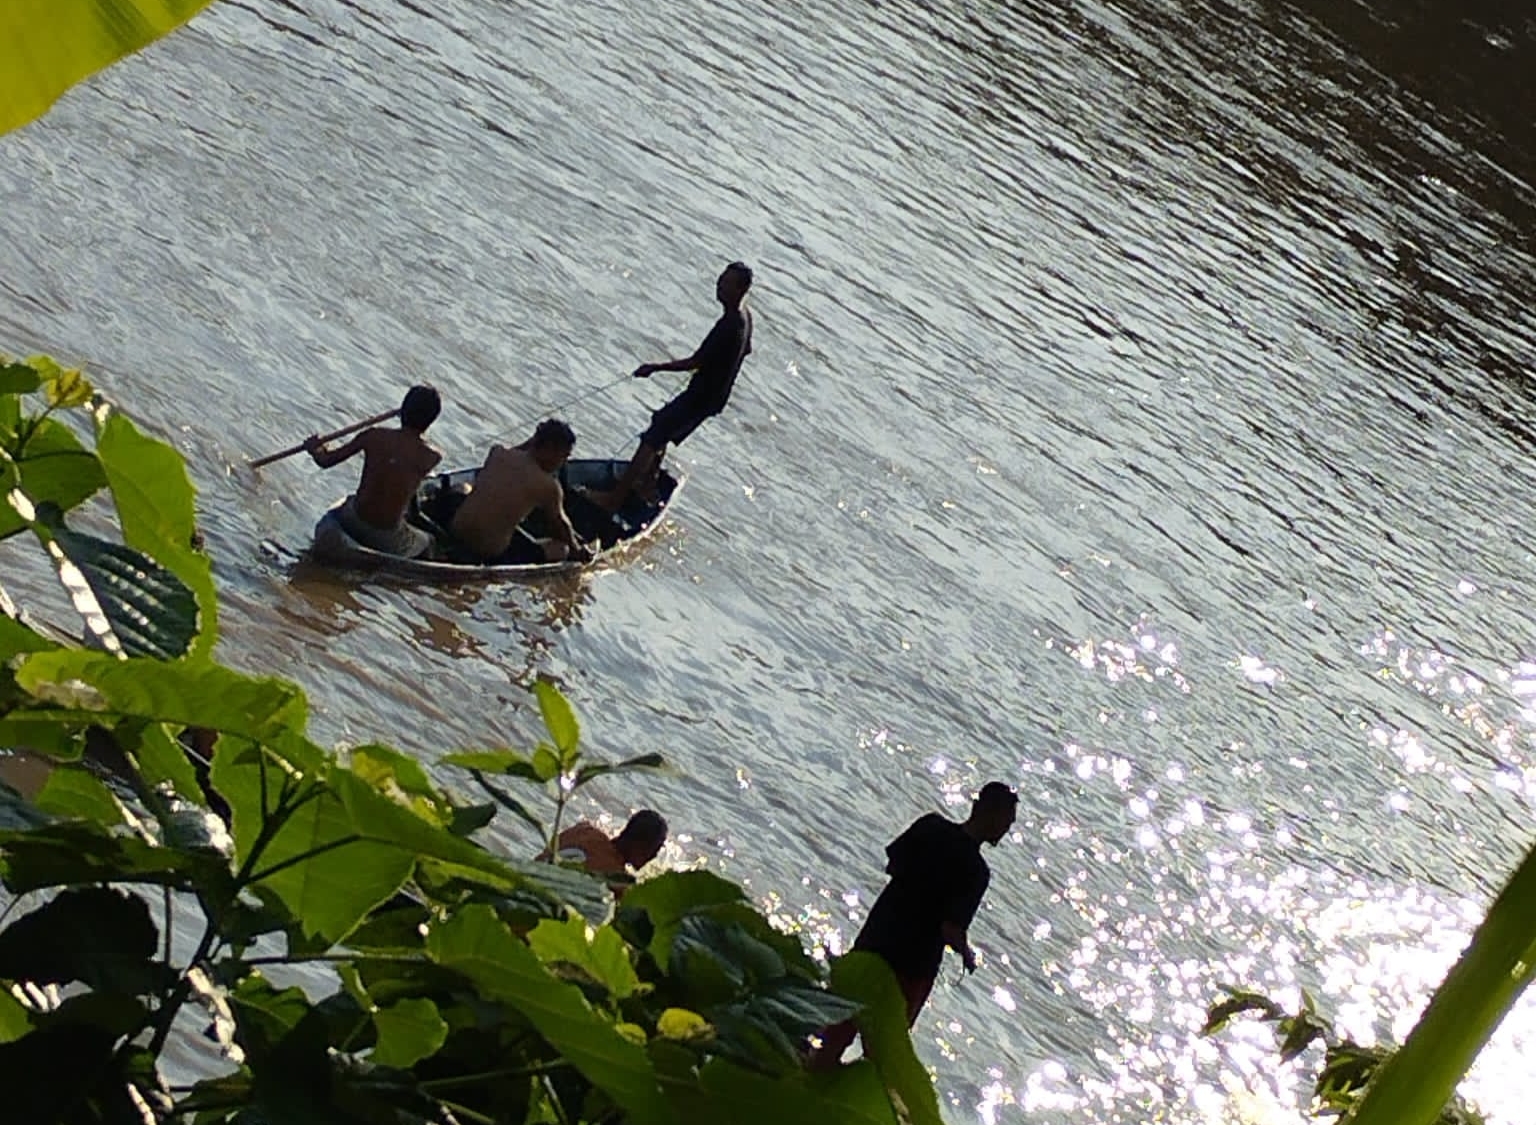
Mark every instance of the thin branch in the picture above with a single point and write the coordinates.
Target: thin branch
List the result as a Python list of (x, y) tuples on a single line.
[(304, 857)]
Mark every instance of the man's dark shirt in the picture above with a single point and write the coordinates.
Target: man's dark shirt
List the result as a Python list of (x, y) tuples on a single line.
[(720, 355), (937, 876)]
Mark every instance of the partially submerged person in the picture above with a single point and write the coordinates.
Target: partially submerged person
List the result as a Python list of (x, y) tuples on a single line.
[(511, 484), (637, 844), (715, 364), (395, 462), (937, 882)]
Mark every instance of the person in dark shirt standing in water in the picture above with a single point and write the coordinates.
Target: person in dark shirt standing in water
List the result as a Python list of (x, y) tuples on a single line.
[(937, 882), (714, 364)]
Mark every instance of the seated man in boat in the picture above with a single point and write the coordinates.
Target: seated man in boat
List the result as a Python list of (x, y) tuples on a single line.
[(715, 364), (634, 847), (511, 484), (395, 462)]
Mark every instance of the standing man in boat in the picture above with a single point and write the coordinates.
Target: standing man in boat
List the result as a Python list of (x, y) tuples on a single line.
[(937, 882), (511, 484), (715, 364), (395, 462)]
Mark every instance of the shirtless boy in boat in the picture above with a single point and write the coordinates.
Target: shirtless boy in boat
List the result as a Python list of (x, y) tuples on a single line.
[(511, 484), (395, 462)]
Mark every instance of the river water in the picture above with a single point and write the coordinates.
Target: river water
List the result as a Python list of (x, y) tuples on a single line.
[(1139, 414)]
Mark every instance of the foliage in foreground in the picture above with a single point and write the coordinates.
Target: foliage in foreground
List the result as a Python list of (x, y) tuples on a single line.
[(1348, 1068), (465, 987), (52, 44)]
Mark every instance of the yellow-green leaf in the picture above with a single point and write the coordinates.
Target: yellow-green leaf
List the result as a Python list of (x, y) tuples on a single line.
[(559, 720), (52, 44), (680, 1023)]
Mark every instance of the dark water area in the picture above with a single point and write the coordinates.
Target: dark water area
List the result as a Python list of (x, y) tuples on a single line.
[(1140, 413)]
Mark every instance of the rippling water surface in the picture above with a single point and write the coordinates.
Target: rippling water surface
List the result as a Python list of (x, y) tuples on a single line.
[(1140, 413)]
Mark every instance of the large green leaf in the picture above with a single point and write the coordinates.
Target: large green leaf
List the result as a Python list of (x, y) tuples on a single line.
[(867, 980), (52, 44), (559, 720), (74, 793), (160, 759), (1417, 1081), (408, 1032), (343, 877), (478, 945), (154, 500), (668, 898), (19, 379), (149, 610), (16, 638), (99, 936), (508, 762), (185, 694), (55, 468), (601, 954), (650, 763), (854, 1095)]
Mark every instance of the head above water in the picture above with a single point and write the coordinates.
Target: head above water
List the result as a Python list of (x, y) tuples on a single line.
[(420, 408), (552, 443), (732, 284), (642, 838), (993, 810)]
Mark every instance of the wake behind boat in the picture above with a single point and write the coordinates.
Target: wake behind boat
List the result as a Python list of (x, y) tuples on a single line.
[(607, 532)]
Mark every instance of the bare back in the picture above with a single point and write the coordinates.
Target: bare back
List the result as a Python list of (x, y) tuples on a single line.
[(395, 462), (510, 485)]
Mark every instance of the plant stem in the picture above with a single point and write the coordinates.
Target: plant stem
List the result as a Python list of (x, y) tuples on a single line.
[(303, 857), (491, 1075), (468, 1114), (334, 958)]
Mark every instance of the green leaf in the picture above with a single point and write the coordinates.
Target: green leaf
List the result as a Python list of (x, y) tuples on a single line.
[(76, 794), (161, 759), (52, 44), (1238, 1001), (343, 877), (559, 720), (18, 379), (264, 1016), (16, 639), (649, 762), (408, 1032), (15, 1020), (80, 852), (1415, 1084), (867, 980), (479, 946), (68, 388), (400, 777), (546, 763), (154, 500), (682, 1025), (508, 762), (669, 897), (184, 694), (510, 803), (469, 819), (853, 1095), (101, 937), (587, 894), (149, 609), (44, 733), (55, 468), (601, 954)]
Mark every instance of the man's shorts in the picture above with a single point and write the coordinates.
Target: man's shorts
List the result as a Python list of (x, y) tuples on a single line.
[(672, 424)]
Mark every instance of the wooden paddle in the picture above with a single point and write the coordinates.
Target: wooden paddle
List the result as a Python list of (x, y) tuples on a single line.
[(341, 433)]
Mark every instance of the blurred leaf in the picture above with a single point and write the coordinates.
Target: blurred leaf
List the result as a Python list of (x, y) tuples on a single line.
[(16, 638), (507, 762), (80, 852), (149, 609), (155, 509), (55, 468), (1415, 1084), (1238, 1001), (101, 937), (559, 720), (469, 819), (264, 1015), (649, 762), (478, 945), (868, 981), (400, 778), (667, 898), (184, 694), (18, 379), (52, 44), (581, 891), (43, 733), (1298, 1032), (852, 1095), (683, 1025), (546, 763), (510, 803), (602, 954), (214, 999), (75, 794), (408, 1032), (68, 388), (15, 1020)]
